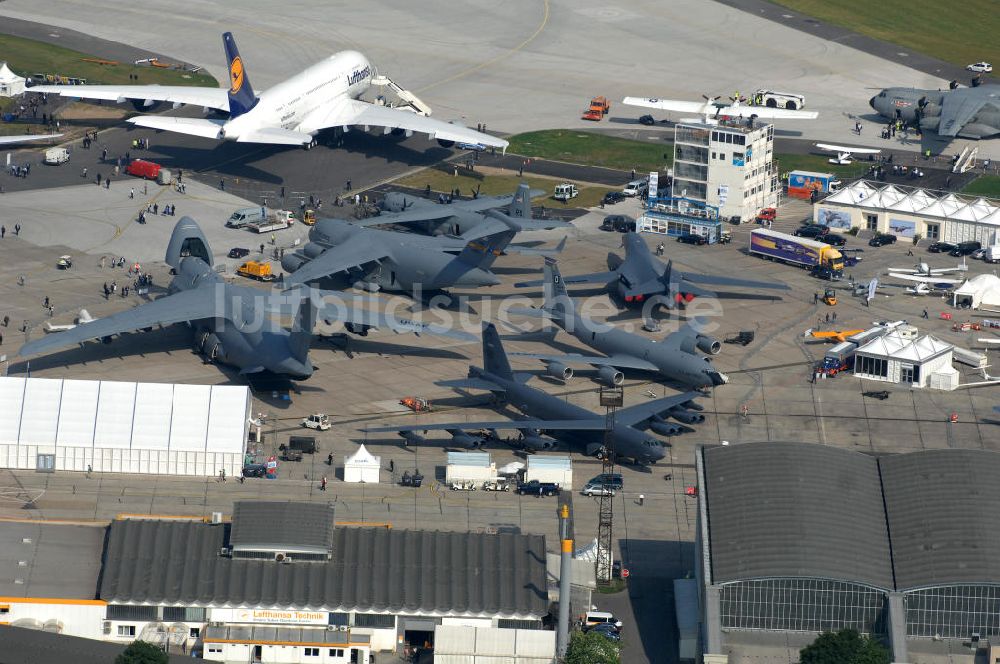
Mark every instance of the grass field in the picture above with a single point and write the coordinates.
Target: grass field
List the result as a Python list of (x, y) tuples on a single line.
[(984, 185), (27, 57), (962, 33), (580, 147), (494, 184), (817, 163)]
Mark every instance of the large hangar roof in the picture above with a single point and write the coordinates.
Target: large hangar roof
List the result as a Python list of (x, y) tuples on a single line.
[(795, 510), (944, 516), (122, 415), (150, 561)]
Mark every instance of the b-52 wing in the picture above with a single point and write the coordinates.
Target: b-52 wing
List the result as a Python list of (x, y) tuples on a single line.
[(217, 98), (356, 251), (618, 361), (638, 416), (351, 112), (177, 308), (589, 424)]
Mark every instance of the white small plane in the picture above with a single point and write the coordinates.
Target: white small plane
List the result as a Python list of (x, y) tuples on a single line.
[(928, 289), (324, 96), (844, 153), (935, 283), (711, 109), (924, 270), (82, 319), (23, 138)]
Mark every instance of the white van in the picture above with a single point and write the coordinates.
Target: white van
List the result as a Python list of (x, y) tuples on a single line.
[(246, 216), (56, 156), (636, 188), (594, 618)]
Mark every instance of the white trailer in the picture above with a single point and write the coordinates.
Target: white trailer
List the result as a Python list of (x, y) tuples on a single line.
[(469, 469), (555, 469)]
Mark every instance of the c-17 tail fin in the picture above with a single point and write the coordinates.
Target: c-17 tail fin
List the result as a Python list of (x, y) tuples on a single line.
[(241, 94), (302, 331)]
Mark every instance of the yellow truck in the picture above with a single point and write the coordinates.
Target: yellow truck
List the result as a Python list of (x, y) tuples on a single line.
[(255, 270)]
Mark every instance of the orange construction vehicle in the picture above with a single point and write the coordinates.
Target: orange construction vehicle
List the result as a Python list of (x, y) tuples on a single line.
[(599, 107), (416, 404), (255, 270)]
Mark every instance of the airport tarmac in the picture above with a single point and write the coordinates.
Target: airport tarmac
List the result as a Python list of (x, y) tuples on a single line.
[(360, 385), (484, 62)]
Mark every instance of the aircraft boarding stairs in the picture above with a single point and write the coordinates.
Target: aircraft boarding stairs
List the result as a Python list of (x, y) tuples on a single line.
[(967, 160), (408, 99)]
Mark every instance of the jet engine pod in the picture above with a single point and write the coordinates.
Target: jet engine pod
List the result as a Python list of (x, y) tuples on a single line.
[(445, 144), (665, 428), (686, 416), (537, 443), (558, 370), (313, 250), (610, 376), (708, 344), (466, 440), (212, 348), (292, 262)]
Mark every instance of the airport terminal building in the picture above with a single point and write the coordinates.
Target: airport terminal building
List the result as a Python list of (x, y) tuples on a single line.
[(803, 538), (278, 583)]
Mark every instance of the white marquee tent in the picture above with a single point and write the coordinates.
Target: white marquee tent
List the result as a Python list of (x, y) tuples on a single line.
[(117, 427), (10, 83), (362, 466), (981, 290)]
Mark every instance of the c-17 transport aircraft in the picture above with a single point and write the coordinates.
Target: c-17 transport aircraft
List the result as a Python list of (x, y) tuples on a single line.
[(231, 322), (642, 276), (675, 358), (324, 96), (551, 414)]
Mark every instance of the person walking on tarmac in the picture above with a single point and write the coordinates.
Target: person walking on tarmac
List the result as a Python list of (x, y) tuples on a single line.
[(322, 484)]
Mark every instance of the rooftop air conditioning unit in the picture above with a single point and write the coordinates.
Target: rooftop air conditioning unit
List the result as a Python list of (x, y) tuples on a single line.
[(282, 558), (216, 518)]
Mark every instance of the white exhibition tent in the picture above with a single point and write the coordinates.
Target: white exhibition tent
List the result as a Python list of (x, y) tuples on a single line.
[(11, 84), (109, 426), (362, 466), (981, 290)]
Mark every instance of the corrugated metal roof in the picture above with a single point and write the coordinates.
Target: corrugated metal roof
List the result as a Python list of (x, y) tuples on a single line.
[(557, 462), (261, 525), (372, 570), (795, 510), (477, 459), (944, 516)]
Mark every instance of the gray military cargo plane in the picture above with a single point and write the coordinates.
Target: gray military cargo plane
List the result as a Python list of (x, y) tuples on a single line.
[(553, 415), (460, 217), (675, 358), (958, 112), (231, 322), (642, 276), (406, 262)]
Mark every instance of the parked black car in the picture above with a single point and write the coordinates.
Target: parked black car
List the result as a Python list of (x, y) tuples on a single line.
[(834, 239), (613, 197), (941, 247), (647, 120), (882, 239), (692, 238), (238, 252), (618, 222), (536, 488), (966, 248), (812, 231)]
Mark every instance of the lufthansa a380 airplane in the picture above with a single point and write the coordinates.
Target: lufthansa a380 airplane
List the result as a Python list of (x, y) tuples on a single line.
[(323, 96)]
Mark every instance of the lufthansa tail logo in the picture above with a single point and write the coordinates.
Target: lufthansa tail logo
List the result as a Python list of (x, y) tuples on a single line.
[(236, 74)]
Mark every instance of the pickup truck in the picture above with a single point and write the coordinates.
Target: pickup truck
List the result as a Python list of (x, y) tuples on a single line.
[(536, 488)]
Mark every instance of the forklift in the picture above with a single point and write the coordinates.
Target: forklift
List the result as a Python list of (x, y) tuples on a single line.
[(830, 297)]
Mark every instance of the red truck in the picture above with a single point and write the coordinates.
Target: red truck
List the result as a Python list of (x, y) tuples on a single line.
[(141, 168)]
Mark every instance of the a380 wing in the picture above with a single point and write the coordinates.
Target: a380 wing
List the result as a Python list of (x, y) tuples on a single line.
[(355, 252), (640, 414), (177, 308), (351, 112), (217, 98)]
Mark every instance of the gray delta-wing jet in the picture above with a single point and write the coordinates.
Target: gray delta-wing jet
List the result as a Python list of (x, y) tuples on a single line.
[(676, 358), (556, 417), (394, 261), (959, 112), (231, 322), (483, 214), (642, 276)]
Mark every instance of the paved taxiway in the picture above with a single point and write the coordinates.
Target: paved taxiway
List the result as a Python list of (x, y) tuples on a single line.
[(519, 65)]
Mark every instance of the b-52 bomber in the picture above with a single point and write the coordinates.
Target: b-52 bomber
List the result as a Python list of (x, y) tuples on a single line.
[(483, 214), (642, 276), (402, 262), (675, 358), (231, 322), (553, 415)]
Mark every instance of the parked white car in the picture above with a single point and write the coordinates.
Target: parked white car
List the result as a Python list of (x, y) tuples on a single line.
[(981, 67)]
